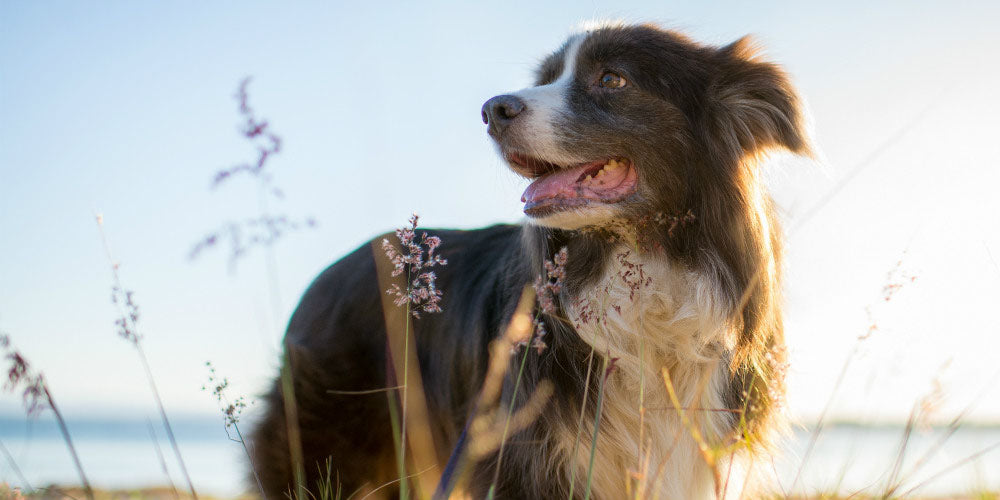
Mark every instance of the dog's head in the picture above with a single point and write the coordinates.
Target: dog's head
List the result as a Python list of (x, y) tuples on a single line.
[(628, 121)]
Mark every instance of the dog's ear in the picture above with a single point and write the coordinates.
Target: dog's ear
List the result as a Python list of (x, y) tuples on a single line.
[(754, 106)]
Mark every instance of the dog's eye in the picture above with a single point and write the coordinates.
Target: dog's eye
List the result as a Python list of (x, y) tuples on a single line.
[(611, 80)]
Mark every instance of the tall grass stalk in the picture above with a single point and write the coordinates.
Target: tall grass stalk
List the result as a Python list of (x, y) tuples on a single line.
[(166, 421), (396, 434), (253, 466), (579, 422), (703, 447), (160, 458), (404, 491), (128, 329), (69, 444), (607, 367), (818, 428), (893, 482), (390, 483), (416, 436), (292, 424), (37, 396), (232, 411), (13, 466), (951, 429), (960, 463)]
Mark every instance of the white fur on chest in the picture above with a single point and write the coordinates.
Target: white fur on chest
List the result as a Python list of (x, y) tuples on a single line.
[(650, 313)]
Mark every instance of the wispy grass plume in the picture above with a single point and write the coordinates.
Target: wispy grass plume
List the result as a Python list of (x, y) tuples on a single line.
[(267, 227)]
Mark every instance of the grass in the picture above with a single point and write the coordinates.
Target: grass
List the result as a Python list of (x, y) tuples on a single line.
[(53, 492)]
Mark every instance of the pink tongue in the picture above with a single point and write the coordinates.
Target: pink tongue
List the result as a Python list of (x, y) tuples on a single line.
[(561, 184)]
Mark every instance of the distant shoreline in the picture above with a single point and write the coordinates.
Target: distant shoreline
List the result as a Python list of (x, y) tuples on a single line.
[(208, 427)]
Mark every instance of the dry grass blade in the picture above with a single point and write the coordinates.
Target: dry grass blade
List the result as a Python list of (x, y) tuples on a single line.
[(608, 367), (893, 483), (818, 427), (513, 398), (367, 391), (161, 459), (518, 329), (491, 438), (708, 454), (868, 161), (292, 422), (390, 483), (706, 451), (950, 430), (579, 423), (500, 351), (948, 469), (13, 466), (36, 395)]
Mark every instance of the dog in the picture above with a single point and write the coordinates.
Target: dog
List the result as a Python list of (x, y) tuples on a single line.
[(663, 341)]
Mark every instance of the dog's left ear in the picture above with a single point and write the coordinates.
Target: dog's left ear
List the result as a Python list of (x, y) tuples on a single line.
[(754, 106)]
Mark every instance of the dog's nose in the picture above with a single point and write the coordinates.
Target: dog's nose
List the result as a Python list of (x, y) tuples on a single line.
[(500, 111)]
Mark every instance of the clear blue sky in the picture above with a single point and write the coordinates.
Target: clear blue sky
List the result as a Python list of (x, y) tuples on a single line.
[(125, 108)]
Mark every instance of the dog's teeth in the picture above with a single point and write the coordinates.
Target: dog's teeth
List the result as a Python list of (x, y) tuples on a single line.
[(613, 164), (600, 173), (588, 178)]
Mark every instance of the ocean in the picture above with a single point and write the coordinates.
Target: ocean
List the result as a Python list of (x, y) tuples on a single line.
[(122, 454)]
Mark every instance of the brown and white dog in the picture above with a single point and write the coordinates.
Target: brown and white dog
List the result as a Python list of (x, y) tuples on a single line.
[(643, 150)]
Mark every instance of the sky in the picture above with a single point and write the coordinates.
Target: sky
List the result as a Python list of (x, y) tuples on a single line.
[(126, 109)]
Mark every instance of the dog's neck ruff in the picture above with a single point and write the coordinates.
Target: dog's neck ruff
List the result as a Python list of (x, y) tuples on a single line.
[(649, 313)]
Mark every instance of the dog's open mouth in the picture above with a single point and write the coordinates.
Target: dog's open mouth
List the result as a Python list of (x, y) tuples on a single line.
[(555, 188)]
